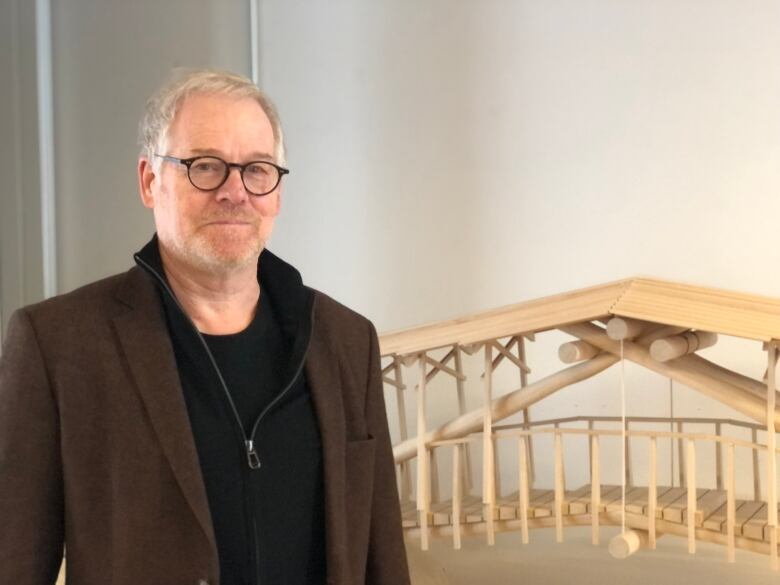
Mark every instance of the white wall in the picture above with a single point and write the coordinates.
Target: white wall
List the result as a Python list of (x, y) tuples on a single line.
[(452, 156), (109, 56)]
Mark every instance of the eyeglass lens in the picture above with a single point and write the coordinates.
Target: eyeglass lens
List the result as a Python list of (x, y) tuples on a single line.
[(208, 173)]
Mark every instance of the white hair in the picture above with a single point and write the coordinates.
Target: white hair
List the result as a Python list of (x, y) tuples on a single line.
[(162, 107)]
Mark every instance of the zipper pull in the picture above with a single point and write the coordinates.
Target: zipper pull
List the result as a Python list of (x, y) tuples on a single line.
[(252, 456)]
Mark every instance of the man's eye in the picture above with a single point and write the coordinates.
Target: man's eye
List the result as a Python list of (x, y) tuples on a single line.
[(204, 166), (258, 169)]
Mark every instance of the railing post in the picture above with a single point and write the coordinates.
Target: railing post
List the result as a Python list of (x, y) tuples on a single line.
[(595, 488), (691, 496), (406, 477), (423, 479), (652, 493), (456, 495), (523, 487), (468, 477), (771, 459), (718, 459), (559, 487), (731, 508), (488, 471)]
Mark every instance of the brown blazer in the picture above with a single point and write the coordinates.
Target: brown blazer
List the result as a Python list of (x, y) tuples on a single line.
[(96, 449)]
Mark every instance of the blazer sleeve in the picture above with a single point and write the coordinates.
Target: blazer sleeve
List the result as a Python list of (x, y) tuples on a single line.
[(386, 563), (31, 492)]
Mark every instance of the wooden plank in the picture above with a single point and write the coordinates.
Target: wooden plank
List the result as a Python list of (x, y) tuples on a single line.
[(631, 493), (744, 513), (676, 511), (754, 527), (708, 503), (609, 493)]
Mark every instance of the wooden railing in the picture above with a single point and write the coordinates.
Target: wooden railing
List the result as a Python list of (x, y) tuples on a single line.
[(687, 449)]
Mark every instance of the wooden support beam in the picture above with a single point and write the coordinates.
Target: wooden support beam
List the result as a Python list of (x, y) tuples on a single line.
[(676, 346), (652, 493), (679, 370), (559, 488), (577, 351), (508, 404), (406, 472), (620, 328)]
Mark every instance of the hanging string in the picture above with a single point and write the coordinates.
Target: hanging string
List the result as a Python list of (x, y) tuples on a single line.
[(624, 437)]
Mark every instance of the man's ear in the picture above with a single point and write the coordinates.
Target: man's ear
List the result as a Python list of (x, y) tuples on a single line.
[(146, 177)]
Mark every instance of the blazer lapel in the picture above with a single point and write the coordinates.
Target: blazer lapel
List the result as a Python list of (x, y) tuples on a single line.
[(322, 373), (145, 341)]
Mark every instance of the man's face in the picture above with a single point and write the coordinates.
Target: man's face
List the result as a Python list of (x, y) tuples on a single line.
[(225, 229)]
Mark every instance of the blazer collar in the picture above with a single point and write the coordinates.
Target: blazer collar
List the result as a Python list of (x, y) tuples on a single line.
[(146, 345)]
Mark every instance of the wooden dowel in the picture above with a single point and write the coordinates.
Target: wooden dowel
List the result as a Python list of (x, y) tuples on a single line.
[(619, 328), (629, 470), (756, 469), (652, 492), (771, 460), (681, 455), (509, 404), (523, 488), (691, 497), (559, 488), (731, 509), (595, 488), (406, 475), (466, 472), (456, 496), (526, 411), (718, 460), (670, 348), (422, 460), (690, 370), (576, 351), (442, 367), (488, 457)]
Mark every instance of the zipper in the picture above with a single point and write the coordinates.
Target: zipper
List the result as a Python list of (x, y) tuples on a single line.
[(253, 459)]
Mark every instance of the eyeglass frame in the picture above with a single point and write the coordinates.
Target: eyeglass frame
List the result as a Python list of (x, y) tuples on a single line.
[(187, 162)]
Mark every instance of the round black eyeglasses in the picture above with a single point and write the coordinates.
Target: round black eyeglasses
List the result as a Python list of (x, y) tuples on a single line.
[(208, 173)]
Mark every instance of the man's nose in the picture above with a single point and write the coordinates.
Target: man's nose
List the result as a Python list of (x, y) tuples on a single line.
[(233, 187)]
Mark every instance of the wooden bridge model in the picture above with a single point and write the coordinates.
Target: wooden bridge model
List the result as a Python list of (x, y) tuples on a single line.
[(658, 325)]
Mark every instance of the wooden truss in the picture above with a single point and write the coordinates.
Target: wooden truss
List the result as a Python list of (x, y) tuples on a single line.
[(660, 326)]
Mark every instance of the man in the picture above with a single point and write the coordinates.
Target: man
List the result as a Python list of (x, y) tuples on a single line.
[(203, 418)]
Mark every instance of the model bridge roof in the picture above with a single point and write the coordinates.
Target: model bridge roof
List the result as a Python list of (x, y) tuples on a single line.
[(658, 301)]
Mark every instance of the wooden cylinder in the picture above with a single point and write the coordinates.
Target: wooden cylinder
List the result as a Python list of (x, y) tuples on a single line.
[(624, 328), (576, 351), (625, 544), (669, 348)]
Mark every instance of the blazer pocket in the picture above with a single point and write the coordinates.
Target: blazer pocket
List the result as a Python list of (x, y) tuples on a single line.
[(359, 467)]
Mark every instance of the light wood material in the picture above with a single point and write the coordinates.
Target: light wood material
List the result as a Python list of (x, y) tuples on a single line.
[(620, 328), (576, 351), (488, 456), (652, 494), (423, 477), (595, 501), (679, 370), (771, 461), (523, 488), (669, 348), (625, 544), (730, 504), (457, 481), (406, 476), (559, 487), (691, 497), (467, 473), (508, 404)]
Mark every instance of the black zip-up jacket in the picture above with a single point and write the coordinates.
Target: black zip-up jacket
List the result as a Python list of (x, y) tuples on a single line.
[(263, 479)]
